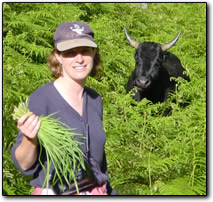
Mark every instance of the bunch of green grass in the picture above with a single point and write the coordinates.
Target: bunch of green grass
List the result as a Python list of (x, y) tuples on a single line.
[(62, 149)]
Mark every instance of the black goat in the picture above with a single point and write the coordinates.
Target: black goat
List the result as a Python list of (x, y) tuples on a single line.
[(153, 69)]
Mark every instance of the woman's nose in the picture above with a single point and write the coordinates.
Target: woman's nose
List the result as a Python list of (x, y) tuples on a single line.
[(79, 58)]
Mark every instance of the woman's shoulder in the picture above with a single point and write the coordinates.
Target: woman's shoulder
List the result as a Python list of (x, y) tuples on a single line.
[(39, 99), (95, 101), (92, 93), (44, 90)]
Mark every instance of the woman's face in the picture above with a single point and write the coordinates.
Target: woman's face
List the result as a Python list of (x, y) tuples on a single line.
[(77, 63)]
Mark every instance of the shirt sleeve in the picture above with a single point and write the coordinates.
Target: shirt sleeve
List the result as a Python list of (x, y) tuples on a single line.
[(37, 106), (30, 171)]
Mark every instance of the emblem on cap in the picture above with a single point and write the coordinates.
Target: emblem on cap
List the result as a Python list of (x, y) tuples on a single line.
[(76, 28)]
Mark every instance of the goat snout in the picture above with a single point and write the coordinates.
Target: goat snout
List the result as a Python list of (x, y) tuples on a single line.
[(142, 82)]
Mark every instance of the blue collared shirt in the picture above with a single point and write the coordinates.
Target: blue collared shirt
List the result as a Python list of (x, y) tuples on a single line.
[(47, 100)]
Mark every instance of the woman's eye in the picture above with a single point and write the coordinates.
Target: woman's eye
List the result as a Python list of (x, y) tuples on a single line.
[(85, 51), (70, 54), (73, 53)]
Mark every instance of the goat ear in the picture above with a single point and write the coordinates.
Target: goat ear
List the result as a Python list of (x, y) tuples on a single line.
[(173, 65), (134, 43), (168, 45)]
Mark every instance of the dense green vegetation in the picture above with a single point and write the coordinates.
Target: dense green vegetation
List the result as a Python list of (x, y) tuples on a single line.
[(147, 153)]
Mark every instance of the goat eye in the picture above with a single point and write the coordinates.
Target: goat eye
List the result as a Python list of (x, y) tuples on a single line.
[(164, 57)]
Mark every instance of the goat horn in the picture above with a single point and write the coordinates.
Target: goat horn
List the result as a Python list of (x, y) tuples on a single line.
[(167, 46), (134, 43)]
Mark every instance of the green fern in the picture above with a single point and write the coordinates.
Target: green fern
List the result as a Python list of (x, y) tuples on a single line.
[(151, 153)]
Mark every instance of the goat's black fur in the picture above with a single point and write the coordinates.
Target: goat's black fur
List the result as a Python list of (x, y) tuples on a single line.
[(152, 73)]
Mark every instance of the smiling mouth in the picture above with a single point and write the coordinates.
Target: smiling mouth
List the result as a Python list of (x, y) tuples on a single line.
[(80, 68)]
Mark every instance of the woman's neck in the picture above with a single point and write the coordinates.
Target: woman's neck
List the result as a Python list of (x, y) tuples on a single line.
[(70, 86), (71, 91)]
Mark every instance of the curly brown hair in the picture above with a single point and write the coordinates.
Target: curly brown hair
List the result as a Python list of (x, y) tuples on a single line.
[(56, 67)]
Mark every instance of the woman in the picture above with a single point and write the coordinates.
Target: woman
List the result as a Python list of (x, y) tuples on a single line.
[(74, 57)]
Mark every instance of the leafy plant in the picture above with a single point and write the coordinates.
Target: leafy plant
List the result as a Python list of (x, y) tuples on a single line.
[(61, 148), (147, 153)]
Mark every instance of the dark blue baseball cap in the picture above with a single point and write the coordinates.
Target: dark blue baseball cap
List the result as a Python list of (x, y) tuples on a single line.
[(74, 34)]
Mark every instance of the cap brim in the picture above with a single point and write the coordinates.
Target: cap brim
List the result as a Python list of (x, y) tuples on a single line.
[(74, 43)]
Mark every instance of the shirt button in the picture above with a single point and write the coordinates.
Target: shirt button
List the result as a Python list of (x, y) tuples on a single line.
[(81, 120)]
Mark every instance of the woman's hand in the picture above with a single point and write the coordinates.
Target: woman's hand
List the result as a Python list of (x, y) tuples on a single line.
[(29, 125), (26, 152)]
